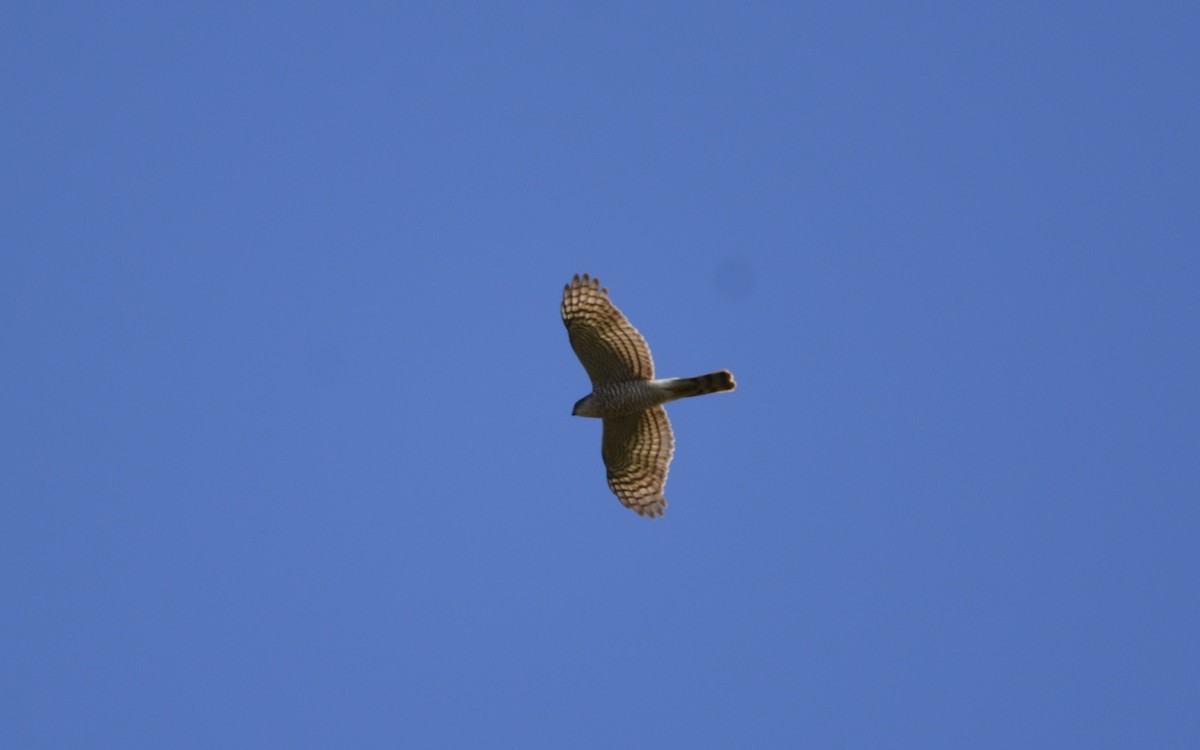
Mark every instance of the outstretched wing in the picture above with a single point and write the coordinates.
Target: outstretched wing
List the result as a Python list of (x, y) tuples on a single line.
[(637, 451), (607, 344)]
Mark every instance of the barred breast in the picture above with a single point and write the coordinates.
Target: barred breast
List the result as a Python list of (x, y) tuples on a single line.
[(627, 397)]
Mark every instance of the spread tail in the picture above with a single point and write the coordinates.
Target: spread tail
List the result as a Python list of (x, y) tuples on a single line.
[(714, 382)]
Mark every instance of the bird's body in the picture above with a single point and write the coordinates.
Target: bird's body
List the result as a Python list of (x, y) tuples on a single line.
[(638, 444), (628, 396)]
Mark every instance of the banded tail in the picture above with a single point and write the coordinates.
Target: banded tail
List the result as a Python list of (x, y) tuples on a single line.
[(713, 382)]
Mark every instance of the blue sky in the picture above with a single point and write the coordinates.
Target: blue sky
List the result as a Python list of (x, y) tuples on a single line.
[(287, 453)]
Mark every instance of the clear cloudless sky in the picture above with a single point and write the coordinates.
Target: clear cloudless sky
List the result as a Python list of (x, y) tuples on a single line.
[(285, 436)]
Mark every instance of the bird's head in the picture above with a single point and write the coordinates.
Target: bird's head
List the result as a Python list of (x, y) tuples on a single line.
[(584, 407)]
